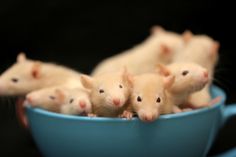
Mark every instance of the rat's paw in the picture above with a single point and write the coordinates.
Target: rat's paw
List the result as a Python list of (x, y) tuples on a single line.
[(176, 109), (126, 114), (92, 115), (187, 109)]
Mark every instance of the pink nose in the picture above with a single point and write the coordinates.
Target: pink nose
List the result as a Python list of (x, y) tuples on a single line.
[(205, 74), (116, 102), (148, 118), (82, 104)]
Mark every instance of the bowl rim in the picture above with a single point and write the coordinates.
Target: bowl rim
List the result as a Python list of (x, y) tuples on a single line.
[(215, 89)]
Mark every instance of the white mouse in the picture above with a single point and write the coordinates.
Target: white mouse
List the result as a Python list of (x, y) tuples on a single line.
[(148, 98), (61, 99), (109, 92), (27, 75), (159, 47), (189, 78), (202, 50)]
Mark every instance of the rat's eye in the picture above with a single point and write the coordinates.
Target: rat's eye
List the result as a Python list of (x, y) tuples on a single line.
[(120, 86), (15, 80), (185, 72), (52, 97), (71, 101), (101, 91), (139, 99), (158, 100)]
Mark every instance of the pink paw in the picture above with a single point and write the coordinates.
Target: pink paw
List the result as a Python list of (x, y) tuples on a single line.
[(92, 115), (126, 114)]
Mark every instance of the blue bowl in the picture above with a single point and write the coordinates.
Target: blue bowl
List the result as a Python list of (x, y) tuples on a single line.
[(187, 134)]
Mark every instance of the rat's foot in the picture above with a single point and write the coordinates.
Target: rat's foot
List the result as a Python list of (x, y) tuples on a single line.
[(126, 114), (187, 109), (215, 101), (92, 115), (176, 109)]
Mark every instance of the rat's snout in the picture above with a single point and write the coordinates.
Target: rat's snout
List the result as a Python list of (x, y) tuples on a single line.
[(148, 117), (82, 104), (116, 102)]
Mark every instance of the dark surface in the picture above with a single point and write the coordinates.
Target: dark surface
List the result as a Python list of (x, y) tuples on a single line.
[(79, 35)]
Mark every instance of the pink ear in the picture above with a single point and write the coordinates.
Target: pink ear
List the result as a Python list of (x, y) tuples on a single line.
[(163, 70), (21, 57), (215, 47), (60, 95), (168, 81), (35, 71), (157, 29), (187, 35), (87, 81), (165, 49)]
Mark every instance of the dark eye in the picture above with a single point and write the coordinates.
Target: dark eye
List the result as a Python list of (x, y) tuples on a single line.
[(15, 80), (139, 99), (158, 100), (120, 86), (52, 97), (101, 91), (71, 100), (185, 72)]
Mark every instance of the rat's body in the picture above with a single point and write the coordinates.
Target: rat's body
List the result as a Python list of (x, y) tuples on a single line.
[(158, 48), (28, 75), (148, 98), (201, 50), (109, 92)]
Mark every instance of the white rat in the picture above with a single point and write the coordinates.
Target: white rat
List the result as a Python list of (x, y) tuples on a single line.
[(27, 75), (109, 92), (61, 99), (202, 50), (148, 98), (159, 47), (189, 78)]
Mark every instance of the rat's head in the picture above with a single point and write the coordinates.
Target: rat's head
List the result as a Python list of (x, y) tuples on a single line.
[(189, 77), (20, 78), (110, 90), (48, 98), (203, 47), (148, 95), (79, 100)]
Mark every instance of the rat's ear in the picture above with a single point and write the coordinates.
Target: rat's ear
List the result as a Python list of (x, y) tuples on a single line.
[(187, 36), (127, 77), (163, 70), (87, 81), (36, 68), (60, 96), (215, 47), (168, 81), (157, 29), (165, 49), (21, 57)]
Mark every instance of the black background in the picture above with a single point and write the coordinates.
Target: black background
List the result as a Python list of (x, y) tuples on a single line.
[(79, 34)]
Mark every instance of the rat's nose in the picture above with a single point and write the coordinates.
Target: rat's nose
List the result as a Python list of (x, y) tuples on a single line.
[(116, 102), (82, 104), (148, 118)]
